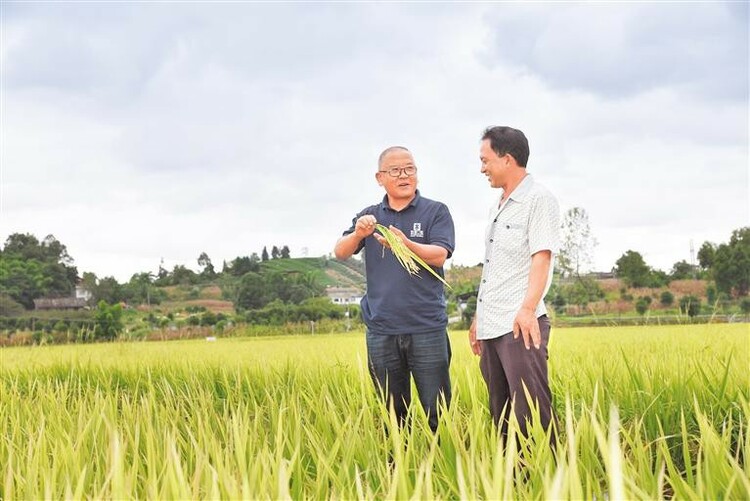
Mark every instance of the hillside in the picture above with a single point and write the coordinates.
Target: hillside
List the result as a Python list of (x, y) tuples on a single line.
[(329, 272)]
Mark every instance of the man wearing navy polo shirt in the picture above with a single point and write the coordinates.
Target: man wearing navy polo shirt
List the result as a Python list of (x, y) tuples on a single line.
[(405, 315)]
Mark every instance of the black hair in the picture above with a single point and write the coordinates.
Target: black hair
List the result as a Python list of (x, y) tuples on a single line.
[(508, 140)]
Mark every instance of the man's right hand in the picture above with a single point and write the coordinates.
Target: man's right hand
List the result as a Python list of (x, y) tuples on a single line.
[(365, 226), (476, 346)]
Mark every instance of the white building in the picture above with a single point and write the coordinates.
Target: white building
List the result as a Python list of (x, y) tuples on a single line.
[(344, 295)]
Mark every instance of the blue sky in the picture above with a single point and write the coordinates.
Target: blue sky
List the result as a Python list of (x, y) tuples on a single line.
[(136, 132)]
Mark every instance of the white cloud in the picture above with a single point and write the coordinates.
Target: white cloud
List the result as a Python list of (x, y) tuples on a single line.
[(136, 133)]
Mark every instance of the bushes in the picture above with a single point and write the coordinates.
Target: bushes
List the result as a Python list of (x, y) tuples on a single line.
[(667, 298), (690, 305), (315, 309)]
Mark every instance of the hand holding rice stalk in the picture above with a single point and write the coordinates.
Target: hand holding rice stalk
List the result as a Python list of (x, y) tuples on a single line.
[(405, 256)]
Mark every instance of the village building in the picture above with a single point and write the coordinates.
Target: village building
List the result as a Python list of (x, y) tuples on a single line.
[(344, 295)]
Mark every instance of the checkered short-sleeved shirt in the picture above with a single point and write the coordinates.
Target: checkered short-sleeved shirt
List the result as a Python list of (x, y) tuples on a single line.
[(526, 223)]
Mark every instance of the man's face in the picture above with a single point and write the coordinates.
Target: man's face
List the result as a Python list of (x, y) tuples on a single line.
[(493, 166), (403, 185)]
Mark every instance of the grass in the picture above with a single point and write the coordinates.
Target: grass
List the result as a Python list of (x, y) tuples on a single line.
[(645, 413)]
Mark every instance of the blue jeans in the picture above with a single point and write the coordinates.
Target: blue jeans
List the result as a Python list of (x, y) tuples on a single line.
[(394, 358)]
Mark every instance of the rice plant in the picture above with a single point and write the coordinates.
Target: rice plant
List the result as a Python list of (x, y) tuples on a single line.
[(651, 413), (405, 256)]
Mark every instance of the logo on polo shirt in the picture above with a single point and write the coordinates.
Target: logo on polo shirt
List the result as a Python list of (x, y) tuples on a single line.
[(416, 230)]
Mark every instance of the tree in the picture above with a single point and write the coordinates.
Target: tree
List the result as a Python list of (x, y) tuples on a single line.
[(706, 255), (141, 290), (274, 252), (108, 290), (731, 264), (30, 269), (285, 252), (642, 304), (264, 254), (107, 321), (9, 307), (667, 298), (682, 270), (181, 275), (89, 281), (251, 292), (633, 269), (207, 267), (690, 305), (243, 264), (581, 292), (577, 249)]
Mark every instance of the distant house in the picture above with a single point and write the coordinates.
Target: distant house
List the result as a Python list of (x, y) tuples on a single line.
[(78, 300), (344, 295), (59, 303), (82, 293)]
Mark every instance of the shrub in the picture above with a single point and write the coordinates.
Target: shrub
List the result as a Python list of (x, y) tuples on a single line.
[(667, 298), (641, 306), (690, 305)]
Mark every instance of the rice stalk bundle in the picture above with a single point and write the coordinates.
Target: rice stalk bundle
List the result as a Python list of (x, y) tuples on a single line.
[(405, 256)]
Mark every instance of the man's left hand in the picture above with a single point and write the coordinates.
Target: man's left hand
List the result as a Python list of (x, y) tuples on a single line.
[(380, 238), (527, 325)]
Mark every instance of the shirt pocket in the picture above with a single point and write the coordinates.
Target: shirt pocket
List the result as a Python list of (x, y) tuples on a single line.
[(511, 236)]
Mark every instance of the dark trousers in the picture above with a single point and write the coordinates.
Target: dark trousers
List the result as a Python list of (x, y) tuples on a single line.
[(507, 367), (393, 359)]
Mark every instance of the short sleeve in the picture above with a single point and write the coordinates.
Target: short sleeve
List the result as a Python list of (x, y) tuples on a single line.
[(351, 228), (442, 231), (544, 224)]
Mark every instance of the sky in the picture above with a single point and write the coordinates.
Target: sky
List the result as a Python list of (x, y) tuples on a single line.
[(142, 133)]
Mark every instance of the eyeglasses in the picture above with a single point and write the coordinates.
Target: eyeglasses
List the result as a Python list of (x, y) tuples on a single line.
[(409, 170)]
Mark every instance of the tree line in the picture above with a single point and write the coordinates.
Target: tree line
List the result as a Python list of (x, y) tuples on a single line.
[(31, 269)]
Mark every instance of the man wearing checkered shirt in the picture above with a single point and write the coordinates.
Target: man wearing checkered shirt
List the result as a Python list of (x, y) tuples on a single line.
[(511, 329)]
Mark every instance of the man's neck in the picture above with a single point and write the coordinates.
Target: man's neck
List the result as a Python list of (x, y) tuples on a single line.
[(513, 184), (398, 204)]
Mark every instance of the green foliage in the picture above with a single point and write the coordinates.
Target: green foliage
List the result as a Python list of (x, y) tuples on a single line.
[(142, 290), (312, 309), (706, 255), (642, 304), (690, 305), (108, 321), (207, 266), (711, 294), (682, 270), (9, 307), (243, 264), (634, 271), (256, 290), (209, 318), (666, 298), (581, 291), (470, 310), (745, 305), (30, 269), (108, 290), (731, 264)]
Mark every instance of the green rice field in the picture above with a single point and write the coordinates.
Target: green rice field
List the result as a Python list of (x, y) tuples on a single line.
[(644, 412)]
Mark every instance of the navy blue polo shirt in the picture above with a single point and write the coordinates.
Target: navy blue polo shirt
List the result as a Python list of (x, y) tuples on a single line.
[(396, 302)]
